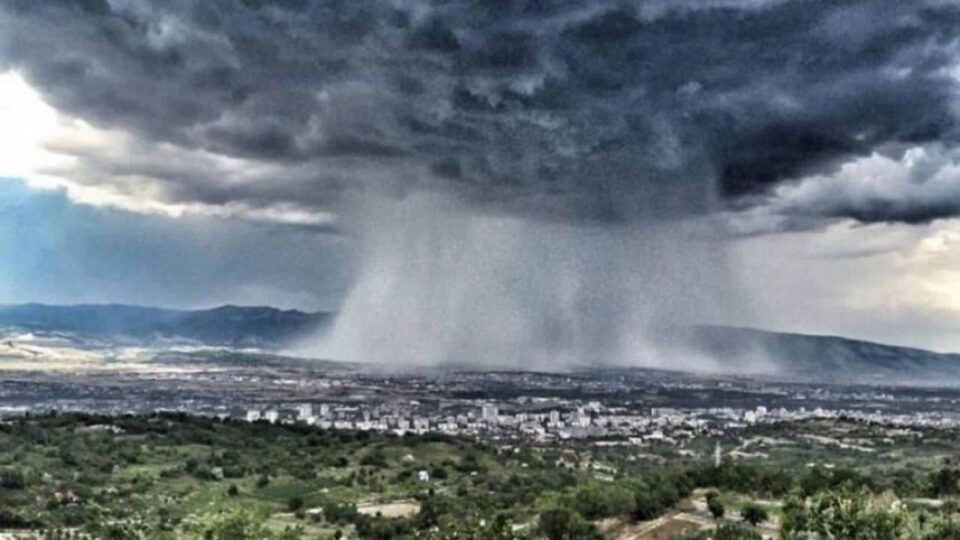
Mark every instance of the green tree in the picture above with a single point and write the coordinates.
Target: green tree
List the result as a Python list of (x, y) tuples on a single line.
[(754, 514), (565, 524), (245, 526), (715, 507), (841, 514), (596, 501), (726, 531), (944, 530), (735, 531)]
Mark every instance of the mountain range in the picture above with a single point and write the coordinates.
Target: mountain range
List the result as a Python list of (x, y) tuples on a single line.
[(227, 326), (724, 349), (821, 358)]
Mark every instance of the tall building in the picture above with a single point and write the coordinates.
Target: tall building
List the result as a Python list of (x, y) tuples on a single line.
[(490, 413), (717, 456)]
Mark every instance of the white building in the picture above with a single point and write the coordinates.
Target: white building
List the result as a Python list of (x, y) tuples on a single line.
[(305, 412), (490, 413), (253, 415), (272, 416)]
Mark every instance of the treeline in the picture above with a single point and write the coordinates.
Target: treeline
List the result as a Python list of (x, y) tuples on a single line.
[(777, 483)]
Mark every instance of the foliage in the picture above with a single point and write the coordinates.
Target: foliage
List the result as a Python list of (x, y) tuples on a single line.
[(565, 524), (845, 513), (168, 476), (243, 526), (595, 501), (716, 508), (726, 531), (754, 514), (474, 528)]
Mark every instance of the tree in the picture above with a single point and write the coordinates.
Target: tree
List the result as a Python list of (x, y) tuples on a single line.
[(564, 524), (238, 526), (944, 530), (263, 481), (735, 531), (12, 479), (945, 482), (645, 505), (754, 514), (841, 514), (117, 531), (727, 531), (715, 506), (596, 501)]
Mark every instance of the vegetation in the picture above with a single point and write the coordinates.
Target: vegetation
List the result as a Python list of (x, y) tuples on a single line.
[(171, 476), (754, 514)]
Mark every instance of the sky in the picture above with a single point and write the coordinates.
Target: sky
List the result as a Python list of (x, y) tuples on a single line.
[(556, 178)]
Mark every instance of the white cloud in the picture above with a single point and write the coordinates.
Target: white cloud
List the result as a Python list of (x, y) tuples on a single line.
[(25, 120), (920, 185), (109, 167)]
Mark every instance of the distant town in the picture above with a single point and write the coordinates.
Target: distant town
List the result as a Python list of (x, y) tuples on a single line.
[(545, 420), (609, 407)]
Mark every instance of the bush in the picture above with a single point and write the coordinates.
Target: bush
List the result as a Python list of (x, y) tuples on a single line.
[(564, 524), (754, 514), (840, 514), (13, 479), (715, 506), (944, 530), (727, 531), (597, 501)]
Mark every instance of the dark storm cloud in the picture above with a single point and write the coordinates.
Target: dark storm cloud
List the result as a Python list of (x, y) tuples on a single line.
[(606, 110)]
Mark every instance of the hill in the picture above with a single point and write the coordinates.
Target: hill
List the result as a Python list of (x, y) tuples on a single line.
[(821, 358), (230, 326)]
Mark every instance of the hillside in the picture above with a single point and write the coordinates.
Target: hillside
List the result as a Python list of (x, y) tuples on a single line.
[(730, 350), (822, 358), (231, 326)]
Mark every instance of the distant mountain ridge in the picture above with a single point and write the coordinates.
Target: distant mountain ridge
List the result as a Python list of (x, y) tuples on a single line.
[(724, 349), (822, 358), (228, 326)]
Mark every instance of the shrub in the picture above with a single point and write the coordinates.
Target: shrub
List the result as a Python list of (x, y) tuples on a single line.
[(564, 524), (754, 514)]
